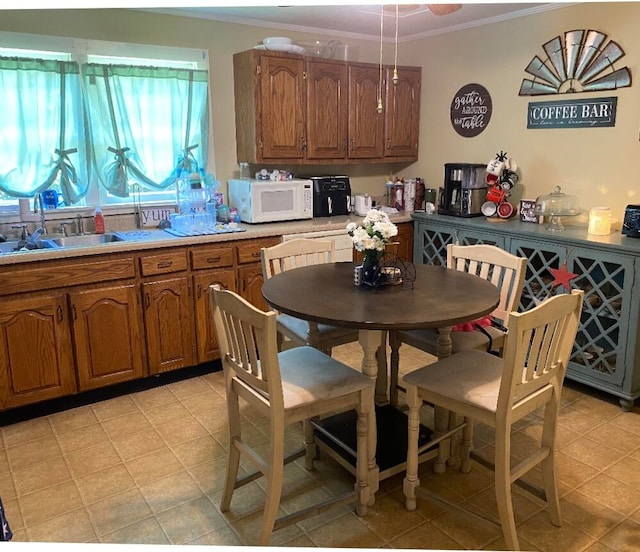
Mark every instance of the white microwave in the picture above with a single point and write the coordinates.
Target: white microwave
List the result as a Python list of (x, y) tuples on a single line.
[(271, 201)]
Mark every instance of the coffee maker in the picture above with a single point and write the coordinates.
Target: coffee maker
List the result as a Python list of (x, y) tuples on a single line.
[(464, 191)]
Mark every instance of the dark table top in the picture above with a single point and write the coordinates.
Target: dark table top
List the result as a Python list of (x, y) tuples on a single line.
[(325, 293)]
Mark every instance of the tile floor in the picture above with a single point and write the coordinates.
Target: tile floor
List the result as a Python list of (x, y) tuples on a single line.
[(148, 468)]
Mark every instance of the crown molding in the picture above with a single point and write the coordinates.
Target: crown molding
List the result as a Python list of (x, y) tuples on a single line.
[(525, 12)]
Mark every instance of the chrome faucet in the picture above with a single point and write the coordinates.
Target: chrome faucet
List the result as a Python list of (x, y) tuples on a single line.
[(37, 204), (25, 232), (63, 227), (79, 225)]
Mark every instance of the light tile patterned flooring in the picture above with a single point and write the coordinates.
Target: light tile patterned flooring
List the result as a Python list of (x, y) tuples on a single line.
[(148, 468)]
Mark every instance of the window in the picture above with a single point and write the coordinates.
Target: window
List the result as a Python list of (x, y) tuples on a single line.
[(120, 128)]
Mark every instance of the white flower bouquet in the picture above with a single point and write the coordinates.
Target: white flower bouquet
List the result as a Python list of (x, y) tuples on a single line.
[(373, 235)]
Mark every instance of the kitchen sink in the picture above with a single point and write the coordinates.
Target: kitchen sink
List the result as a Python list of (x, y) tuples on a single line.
[(85, 241), (13, 245)]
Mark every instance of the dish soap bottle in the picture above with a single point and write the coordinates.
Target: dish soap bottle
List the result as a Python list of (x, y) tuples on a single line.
[(98, 219)]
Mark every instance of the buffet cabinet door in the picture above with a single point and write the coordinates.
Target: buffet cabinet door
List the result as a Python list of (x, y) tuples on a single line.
[(603, 342)]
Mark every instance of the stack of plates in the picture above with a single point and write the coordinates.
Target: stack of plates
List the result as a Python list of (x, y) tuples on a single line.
[(280, 44)]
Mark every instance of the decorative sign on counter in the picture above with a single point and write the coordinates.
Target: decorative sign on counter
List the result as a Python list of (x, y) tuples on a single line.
[(527, 211), (598, 112), (152, 217), (471, 110)]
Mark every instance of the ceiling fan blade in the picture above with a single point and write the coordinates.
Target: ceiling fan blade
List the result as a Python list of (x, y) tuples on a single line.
[(443, 9)]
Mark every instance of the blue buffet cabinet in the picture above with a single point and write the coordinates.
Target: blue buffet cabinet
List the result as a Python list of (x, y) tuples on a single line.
[(605, 355)]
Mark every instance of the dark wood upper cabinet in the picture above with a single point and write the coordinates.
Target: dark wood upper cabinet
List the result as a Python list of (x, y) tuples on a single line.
[(366, 125), (402, 112), (282, 107), (293, 109), (327, 109)]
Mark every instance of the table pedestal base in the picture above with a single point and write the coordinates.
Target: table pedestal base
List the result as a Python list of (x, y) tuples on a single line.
[(336, 435)]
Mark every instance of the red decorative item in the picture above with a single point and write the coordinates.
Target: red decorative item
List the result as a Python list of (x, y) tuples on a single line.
[(562, 276)]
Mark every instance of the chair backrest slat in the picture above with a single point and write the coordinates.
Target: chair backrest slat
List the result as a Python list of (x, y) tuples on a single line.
[(538, 347), (295, 254), (503, 269), (248, 344)]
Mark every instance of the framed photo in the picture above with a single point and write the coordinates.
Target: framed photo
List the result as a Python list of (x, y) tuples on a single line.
[(527, 211)]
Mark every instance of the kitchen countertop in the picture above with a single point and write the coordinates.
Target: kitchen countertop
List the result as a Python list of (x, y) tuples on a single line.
[(140, 240)]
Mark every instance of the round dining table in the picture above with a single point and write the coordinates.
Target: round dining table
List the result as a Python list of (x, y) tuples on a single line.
[(437, 297)]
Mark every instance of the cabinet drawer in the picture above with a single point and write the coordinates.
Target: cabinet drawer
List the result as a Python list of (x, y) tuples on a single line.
[(151, 265), (211, 257), (249, 250), (59, 274)]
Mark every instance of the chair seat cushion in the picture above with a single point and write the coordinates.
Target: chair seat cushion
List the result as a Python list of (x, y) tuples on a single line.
[(309, 375), (300, 328), (427, 340), (469, 377)]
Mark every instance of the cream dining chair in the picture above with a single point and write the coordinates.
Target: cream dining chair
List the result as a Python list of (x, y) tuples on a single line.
[(294, 254), (287, 388), (504, 270), (498, 392)]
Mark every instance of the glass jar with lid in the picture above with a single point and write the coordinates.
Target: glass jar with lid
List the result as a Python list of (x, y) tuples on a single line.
[(557, 205)]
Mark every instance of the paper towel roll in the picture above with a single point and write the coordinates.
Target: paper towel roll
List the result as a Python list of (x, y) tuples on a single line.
[(26, 214), (25, 209)]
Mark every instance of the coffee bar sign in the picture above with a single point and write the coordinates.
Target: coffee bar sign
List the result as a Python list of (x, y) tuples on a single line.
[(597, 112)]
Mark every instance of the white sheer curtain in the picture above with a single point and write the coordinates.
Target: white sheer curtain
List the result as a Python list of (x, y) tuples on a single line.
[(146, 123), (42, 129)]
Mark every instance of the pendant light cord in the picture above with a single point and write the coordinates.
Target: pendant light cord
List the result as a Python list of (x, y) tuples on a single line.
[(395, 57), (379, 108)]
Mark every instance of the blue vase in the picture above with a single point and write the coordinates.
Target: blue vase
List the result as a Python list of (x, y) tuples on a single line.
[(371, 269)]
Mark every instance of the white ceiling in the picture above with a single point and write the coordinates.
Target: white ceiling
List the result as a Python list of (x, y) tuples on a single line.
[(363, 21)]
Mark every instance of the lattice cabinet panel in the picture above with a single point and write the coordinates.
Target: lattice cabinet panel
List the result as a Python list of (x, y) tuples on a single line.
[(607, 282), (467, 237), (538, 281), (430, 243)]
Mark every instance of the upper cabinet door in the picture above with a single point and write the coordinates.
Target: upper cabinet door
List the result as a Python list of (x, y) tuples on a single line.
[(402, 113), (327, 110), (282, 107), (365, 123)]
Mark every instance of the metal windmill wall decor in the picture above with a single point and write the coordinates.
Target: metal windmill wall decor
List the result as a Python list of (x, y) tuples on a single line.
[(577, 63)]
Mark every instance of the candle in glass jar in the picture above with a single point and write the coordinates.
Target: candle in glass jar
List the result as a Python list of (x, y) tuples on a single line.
[(599, 221)]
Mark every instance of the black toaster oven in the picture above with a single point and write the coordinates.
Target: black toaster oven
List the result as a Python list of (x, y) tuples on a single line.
[(631, 224)]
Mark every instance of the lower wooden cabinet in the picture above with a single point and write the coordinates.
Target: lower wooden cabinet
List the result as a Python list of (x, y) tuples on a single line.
[(70, 325), (206, 339), (36, 355), (250, 278), (169, 324), (107, 335), (405, 240), (404, 247), (250, 282)]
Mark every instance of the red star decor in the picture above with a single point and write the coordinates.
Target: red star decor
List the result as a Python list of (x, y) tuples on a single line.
[(562, 276)]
